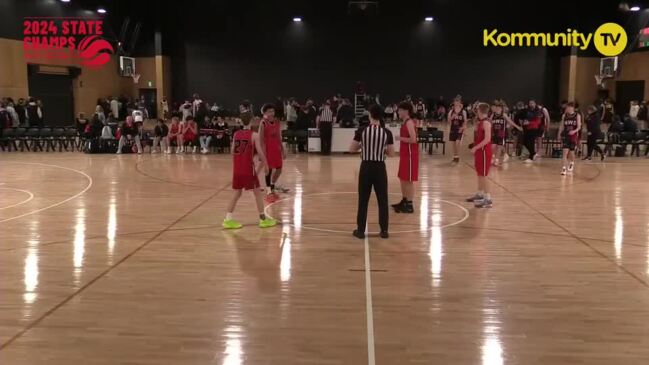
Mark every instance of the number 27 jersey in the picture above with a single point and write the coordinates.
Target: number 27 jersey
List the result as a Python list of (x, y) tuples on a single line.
[(244, 150)]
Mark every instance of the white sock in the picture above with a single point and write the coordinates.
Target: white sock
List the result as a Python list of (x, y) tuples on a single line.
[(228, 216)]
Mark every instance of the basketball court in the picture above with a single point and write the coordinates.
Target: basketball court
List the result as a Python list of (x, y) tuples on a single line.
[(122, 259)]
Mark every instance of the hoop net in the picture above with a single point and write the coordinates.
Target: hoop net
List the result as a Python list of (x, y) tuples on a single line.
[(599, 79), (136, 78)]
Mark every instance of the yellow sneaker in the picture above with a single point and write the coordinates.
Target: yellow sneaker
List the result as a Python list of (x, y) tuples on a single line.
[(266, 223), (231, 224)]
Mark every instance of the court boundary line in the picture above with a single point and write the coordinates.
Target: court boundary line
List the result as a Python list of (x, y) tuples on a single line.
[(101, 275), (90, 182), (569, 232), (31, 196), (461, 220), (369, 311)]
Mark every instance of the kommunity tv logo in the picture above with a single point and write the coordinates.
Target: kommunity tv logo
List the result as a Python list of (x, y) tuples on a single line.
[(609, 39)]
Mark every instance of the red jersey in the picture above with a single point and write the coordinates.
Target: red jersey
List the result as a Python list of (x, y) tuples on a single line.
[(244, 150), (480, 134), (273, 143), (408, 156)]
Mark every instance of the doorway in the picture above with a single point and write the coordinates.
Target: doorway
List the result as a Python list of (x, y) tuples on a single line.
[(55, 92), (150, 101), (625, 92)]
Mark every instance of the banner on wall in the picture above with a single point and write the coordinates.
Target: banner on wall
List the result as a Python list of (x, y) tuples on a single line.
[(65, 38)]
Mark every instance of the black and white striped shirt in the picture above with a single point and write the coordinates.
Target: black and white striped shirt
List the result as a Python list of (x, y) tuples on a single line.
[(374, 139), (326, 115)]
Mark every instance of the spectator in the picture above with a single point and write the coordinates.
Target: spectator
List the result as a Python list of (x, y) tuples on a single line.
[(642, 111), (345, 115), (160, 133), (291, 113), (190, 134), (593, 120), (20, 112), (634, 108), (196, 101), (34, 113), (608, 112), (206, 135), (388, 112), (164, 106), (128, 132), (81, 123), (99, 112), (114, 106), (302, 123), (221, 135), (186, 110), (5, 116)]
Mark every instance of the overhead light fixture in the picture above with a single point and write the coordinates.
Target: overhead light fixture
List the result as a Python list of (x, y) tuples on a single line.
[(65, 1), (428, 18), (297, 19), (101, 11), (635, 8)]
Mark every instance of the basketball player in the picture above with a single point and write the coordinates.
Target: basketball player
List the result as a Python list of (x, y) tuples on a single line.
[(457, 118), (245, 145), (271, 142), (408, 158), (499, 124), (569, 131), (533, 124), (481, 149)]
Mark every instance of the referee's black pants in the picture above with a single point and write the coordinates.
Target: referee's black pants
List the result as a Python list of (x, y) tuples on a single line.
[(529, 140), (325, 137), (372, 174)]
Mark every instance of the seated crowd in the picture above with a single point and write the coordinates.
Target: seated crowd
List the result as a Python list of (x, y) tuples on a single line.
[(118, 124)]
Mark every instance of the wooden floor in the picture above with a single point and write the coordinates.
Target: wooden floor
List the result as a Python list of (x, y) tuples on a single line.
[(121, 260)]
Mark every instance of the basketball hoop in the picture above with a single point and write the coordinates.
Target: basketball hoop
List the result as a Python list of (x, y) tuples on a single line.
[(136, 78)]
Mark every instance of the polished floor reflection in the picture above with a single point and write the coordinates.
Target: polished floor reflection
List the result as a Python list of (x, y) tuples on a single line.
[(121, 260)]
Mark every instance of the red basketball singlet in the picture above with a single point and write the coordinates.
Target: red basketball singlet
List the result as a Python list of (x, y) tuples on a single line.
[(482, 156), (273, 143), (408, 156), (243, 167)]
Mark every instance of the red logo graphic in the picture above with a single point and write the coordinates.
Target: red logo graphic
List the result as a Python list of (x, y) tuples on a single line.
[(92, 51), (58, 38)]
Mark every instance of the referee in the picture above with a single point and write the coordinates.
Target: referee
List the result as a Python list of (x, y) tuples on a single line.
[(374, 141), (324, 122)]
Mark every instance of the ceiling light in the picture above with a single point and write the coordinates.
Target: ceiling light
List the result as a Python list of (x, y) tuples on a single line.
[(297, 19), (635, 8), (428, 18), (101, 11)]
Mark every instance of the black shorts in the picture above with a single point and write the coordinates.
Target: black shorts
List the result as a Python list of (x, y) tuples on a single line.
[(569, 143), (498, 140), (455, 136)]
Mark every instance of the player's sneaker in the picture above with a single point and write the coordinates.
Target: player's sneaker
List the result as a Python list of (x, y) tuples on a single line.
[(267, 223), (474, 198), (528, 161), (281, 189), (483, 203), (384, 234), (571, 167), (358, 234), (204, 151), (505, 158), (455, 160), (408, 208), (399, 206), (154, 151), (603, 157), (563, 171), (231, 224)]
